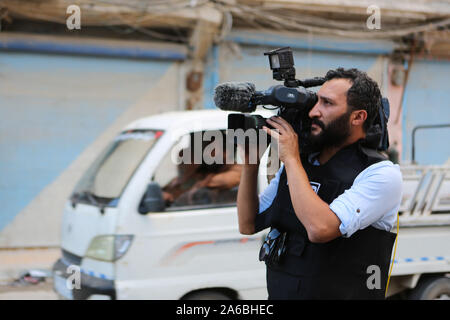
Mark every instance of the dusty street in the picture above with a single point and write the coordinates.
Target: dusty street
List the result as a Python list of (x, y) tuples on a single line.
[(41, 291)]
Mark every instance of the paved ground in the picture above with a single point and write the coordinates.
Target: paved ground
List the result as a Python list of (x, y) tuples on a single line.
[(41, 291), (14, 262)]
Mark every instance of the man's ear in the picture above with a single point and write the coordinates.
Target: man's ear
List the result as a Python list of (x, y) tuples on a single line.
[(358, 117)]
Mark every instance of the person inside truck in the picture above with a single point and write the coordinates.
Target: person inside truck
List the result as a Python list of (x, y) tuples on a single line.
[(203, 184)]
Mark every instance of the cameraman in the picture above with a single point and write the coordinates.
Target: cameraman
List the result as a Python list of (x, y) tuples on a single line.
[(330, 211)]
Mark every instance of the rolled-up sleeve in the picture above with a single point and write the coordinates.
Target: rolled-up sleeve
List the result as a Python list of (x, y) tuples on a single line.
[(373, 199)]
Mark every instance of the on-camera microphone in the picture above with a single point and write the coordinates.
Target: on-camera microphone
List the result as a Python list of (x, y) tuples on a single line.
[(235, 96)]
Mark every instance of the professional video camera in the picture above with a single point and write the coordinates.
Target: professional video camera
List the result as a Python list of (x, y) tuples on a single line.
[(293, 100)]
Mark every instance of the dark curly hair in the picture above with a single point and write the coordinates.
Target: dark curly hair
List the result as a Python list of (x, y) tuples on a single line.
[(364, 93)]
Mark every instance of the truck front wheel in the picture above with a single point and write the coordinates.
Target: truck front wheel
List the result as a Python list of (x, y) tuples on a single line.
[(435, 288)]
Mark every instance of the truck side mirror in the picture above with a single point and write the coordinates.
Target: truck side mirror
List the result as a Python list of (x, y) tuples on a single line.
[(153, 199)]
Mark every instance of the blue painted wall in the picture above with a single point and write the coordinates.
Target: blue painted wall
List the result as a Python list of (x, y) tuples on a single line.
[(52, 107), (427, 101)]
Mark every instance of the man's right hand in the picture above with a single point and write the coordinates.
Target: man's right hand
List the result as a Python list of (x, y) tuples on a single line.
[(168, 197)]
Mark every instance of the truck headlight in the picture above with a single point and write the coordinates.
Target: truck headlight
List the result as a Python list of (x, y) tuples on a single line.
[(109, 247)]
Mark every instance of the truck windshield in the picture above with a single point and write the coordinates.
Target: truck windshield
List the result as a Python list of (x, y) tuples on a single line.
[(104, 181)]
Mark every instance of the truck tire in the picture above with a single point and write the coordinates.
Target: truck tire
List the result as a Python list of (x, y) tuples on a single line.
[(207, 295), (431, 289)]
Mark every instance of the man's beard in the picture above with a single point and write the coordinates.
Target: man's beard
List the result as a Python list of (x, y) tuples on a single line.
[(332, 135)]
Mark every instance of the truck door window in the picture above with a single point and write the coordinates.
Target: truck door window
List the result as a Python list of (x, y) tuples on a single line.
[(199, 180)]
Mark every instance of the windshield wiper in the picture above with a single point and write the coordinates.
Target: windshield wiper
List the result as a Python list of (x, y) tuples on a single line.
[(91, 198), (77, 196)]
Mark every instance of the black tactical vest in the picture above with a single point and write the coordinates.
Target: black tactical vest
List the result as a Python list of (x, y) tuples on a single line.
[(338, 269)]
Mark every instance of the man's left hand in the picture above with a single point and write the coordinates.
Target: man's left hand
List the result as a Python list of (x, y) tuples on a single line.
[(286, 137)]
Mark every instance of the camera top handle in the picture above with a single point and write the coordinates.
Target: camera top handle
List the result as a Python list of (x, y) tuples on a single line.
[(281, 63)]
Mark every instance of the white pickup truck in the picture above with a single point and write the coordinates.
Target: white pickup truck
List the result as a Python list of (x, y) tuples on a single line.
[(125, 244)]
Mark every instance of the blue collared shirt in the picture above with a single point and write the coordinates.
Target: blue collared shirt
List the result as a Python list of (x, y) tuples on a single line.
[(373, 199)]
